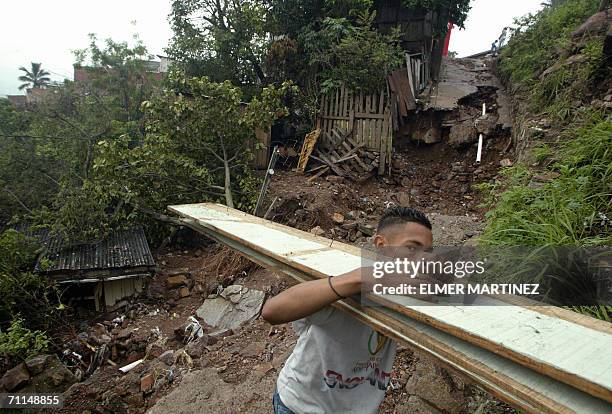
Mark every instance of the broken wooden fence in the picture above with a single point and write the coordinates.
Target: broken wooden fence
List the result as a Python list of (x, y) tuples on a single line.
[(538, 359), (365, 117)]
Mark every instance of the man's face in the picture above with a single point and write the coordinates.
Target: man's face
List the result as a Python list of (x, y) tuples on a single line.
[(405, 235)]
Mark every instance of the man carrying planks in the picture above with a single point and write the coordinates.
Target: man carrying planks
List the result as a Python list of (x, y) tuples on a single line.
[(339, 364)]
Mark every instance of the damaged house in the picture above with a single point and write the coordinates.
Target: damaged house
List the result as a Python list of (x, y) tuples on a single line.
[(101, 275)]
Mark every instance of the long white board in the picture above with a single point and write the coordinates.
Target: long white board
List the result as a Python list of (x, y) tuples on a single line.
[(575, 350)]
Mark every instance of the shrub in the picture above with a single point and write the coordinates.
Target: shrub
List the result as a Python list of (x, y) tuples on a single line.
[(19, 343)]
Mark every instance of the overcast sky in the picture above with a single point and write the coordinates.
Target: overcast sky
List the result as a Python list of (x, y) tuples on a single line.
[(47, 31)]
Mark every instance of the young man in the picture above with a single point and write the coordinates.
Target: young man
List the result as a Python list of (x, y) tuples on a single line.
[(339, 365)]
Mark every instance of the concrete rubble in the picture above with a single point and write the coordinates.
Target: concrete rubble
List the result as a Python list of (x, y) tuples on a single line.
[(235, 306)]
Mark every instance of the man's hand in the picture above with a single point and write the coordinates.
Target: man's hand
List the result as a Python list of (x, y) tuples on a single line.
[(307, 298)]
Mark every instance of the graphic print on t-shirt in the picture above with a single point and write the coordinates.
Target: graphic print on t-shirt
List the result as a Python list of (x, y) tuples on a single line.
[(363, 371)]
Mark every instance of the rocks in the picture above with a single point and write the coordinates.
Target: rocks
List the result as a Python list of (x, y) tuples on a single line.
[(317, 231), (167, 357), (176, 281), (263, 369), (15, 378), (337, 218), (196, 348), (124, 334), (253, 349), (37, 364), (486, 124), (403, 199), (463, 133), (184, 292), (506, 163), (432, 135), (335, 179), (596, 24), (417, 405), (433, 384), (236, 305), (146, 382)]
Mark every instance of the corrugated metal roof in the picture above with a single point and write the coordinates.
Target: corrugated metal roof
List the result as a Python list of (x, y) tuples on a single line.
[(121, 249)]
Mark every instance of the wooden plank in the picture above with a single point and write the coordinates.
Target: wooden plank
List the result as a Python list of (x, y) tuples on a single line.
[(383, 150), (309, 143), (310, 255), (320, 173), (351, 123), (510, 331), (365, 115)]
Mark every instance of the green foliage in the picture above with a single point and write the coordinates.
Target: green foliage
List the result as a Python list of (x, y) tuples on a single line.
[(221, 39), (35, 77), (49, 151), (572, 209), (537, 39), (33, 297), (19, 343), (353, 54), (542, 58), (458, 9), (603, 312), (193, 132)]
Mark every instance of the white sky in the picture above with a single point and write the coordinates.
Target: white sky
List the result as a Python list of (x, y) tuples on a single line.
[(486, 21), (47, 31)]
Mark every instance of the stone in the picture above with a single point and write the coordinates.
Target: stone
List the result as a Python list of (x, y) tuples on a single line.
[(15, 378), (221, 334), (486, 124), (176, 281), (596, 24), (235, 306), (403, 199), (432, 136), (167, 357), (335, 179), (155, 350), (337, 218), (135, 399), (432, 384), (506, 163), (195, 349), (124, 334), (317, 231), (367, 229), (146, 382), (253, 349), (37, 364), (463, 133), (417, 405), (184, 292), (263, 369)]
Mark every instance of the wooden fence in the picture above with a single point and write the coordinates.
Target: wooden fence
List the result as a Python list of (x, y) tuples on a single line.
[(366, 117)]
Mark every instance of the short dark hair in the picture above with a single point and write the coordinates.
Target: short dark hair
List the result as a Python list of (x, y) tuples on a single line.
[(400, 215)]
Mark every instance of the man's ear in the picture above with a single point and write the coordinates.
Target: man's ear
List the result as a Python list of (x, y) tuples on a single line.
[(380, 241)]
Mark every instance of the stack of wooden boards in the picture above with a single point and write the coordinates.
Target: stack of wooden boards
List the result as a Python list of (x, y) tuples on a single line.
[(537, 359), (340, 154)]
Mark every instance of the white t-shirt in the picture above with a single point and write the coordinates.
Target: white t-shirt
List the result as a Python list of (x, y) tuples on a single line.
[(339, 365)]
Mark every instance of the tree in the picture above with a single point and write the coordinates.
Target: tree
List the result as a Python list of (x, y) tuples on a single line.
[(223, 39), (197, 148), (36, 77)]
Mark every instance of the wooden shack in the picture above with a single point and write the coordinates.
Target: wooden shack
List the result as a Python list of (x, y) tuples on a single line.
[(101, 275)]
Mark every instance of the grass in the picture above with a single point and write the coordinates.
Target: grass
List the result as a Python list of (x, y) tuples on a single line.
[(556, 77)]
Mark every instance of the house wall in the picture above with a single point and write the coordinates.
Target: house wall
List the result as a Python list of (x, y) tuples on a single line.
[(117, 290)]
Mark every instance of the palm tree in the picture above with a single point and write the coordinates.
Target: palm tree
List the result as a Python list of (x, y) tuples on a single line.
[(34, 78)]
